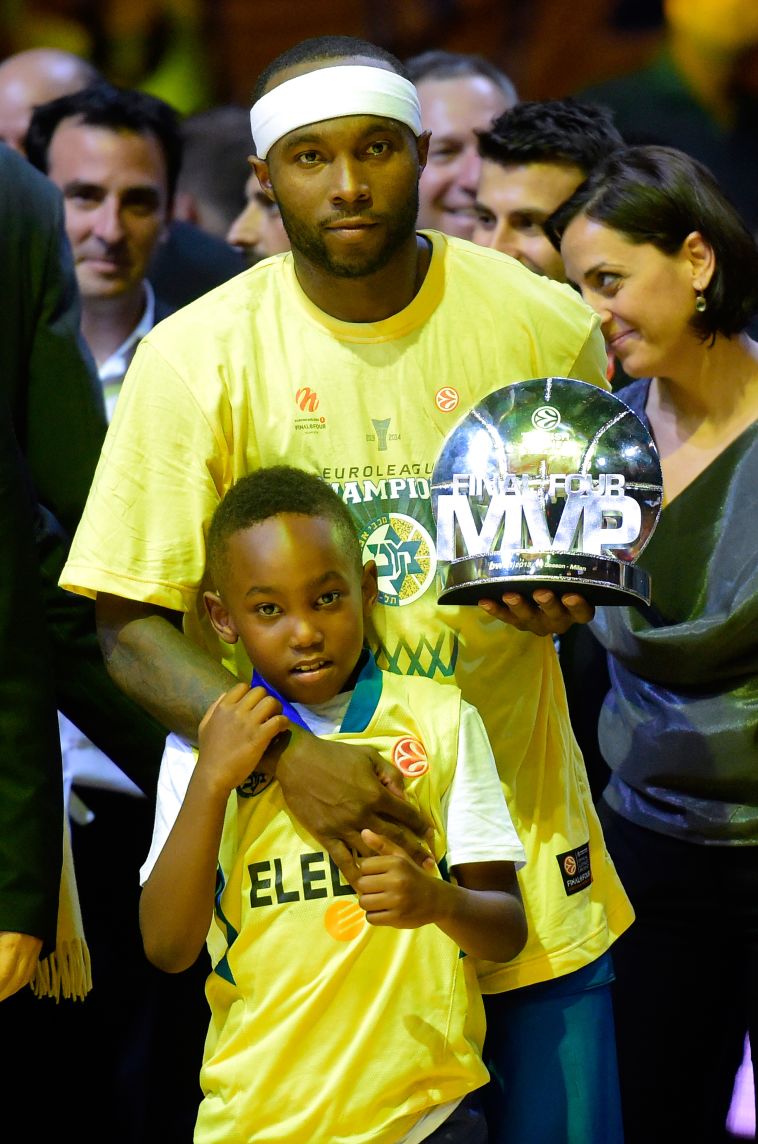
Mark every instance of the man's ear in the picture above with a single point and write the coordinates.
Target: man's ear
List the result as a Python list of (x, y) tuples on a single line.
[(422, 148), (220, 617), (369, 587), (260, 166)]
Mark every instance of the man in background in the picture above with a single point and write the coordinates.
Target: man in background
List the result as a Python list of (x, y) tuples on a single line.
[(460, 95), (190, 262), (534, 156), (258, 230), (115, 155), (210, 191)]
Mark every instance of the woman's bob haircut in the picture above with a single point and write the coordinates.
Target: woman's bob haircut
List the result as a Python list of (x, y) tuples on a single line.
[(660, 195)]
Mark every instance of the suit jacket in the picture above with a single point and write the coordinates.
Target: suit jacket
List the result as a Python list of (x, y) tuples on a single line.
[(52, 425)]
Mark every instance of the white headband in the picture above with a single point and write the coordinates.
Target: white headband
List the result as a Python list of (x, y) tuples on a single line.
[(329, 93)]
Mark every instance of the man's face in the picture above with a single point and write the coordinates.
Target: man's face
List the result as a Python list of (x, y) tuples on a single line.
[(115, 190), (347, 188), (512, 204), (258, 230), (454, 110)]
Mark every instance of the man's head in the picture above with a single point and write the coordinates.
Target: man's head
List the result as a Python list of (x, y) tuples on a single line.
[(33, 77), (258, 230), (459, 96), (210, 192), (339, 148), (285, 562), (534, 156), (115, 155)]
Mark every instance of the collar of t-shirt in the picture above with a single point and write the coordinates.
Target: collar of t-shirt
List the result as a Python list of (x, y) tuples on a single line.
[(350, 711)]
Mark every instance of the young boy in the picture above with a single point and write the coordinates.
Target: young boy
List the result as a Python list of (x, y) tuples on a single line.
[(339, 1013)]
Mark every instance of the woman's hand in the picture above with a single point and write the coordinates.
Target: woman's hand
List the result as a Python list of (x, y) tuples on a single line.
[(544, 615)]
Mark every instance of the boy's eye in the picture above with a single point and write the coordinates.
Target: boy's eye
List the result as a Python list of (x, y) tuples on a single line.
[(268, 609), (327, 598)]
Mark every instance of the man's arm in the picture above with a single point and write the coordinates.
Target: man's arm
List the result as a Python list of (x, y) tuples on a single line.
[(154, 663), (333, 789)]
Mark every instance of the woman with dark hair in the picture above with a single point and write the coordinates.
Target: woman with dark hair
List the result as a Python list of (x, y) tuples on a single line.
[(667, 263)]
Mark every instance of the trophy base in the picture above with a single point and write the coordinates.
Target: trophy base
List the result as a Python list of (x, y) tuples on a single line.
[(599, 579)]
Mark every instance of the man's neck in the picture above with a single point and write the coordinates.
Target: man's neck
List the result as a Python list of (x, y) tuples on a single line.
[(371, 298), (107, 322)]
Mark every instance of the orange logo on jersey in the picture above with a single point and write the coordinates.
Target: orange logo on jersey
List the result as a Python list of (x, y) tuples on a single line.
[(307, 399), (569, 865), (344, 920), (446, 399), (409, 756)]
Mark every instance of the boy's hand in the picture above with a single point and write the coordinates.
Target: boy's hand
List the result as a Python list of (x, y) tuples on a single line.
[(235, 732), (393, 890)]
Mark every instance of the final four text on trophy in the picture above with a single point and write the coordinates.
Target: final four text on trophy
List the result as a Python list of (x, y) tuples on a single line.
[(550, 483)]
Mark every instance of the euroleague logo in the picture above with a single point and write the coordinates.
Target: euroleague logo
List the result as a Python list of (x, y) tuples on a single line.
[(569, 865), (410, 757), (446, 399), (546, 417)]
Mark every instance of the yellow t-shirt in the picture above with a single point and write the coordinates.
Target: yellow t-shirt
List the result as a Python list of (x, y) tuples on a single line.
[(254, 374), (366, 1029)]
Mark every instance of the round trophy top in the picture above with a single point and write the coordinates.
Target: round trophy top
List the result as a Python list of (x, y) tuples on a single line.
[(551, 482)]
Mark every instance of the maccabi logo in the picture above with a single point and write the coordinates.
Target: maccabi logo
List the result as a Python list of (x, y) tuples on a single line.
[(307, 399), (404, 555), (409, 756)]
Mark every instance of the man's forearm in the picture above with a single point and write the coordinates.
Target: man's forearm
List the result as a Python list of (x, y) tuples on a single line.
[(157, 665)]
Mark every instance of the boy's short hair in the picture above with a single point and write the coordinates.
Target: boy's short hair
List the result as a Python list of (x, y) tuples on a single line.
[(270, 492)]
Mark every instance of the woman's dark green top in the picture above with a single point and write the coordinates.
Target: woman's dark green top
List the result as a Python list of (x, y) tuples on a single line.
[(679, 727)]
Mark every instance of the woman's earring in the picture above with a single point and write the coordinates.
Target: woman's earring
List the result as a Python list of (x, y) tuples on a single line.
[(701, 302)]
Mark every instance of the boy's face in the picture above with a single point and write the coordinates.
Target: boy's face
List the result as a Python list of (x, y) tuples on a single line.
[(296, 599)]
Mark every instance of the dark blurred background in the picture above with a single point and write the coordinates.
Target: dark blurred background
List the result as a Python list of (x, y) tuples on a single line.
[(196, 53)]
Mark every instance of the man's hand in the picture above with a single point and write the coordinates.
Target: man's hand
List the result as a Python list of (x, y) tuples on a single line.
[(544, 615), (393, 890), (336, 790), (235, 732), (19, 953)]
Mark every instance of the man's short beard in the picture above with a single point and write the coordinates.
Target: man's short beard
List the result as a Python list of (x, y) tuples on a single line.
[(309, 241)]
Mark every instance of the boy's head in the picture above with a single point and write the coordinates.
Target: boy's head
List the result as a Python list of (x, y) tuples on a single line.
[(288, 579)]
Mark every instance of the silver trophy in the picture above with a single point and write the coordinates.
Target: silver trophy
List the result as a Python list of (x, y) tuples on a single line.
[(551, 483)]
